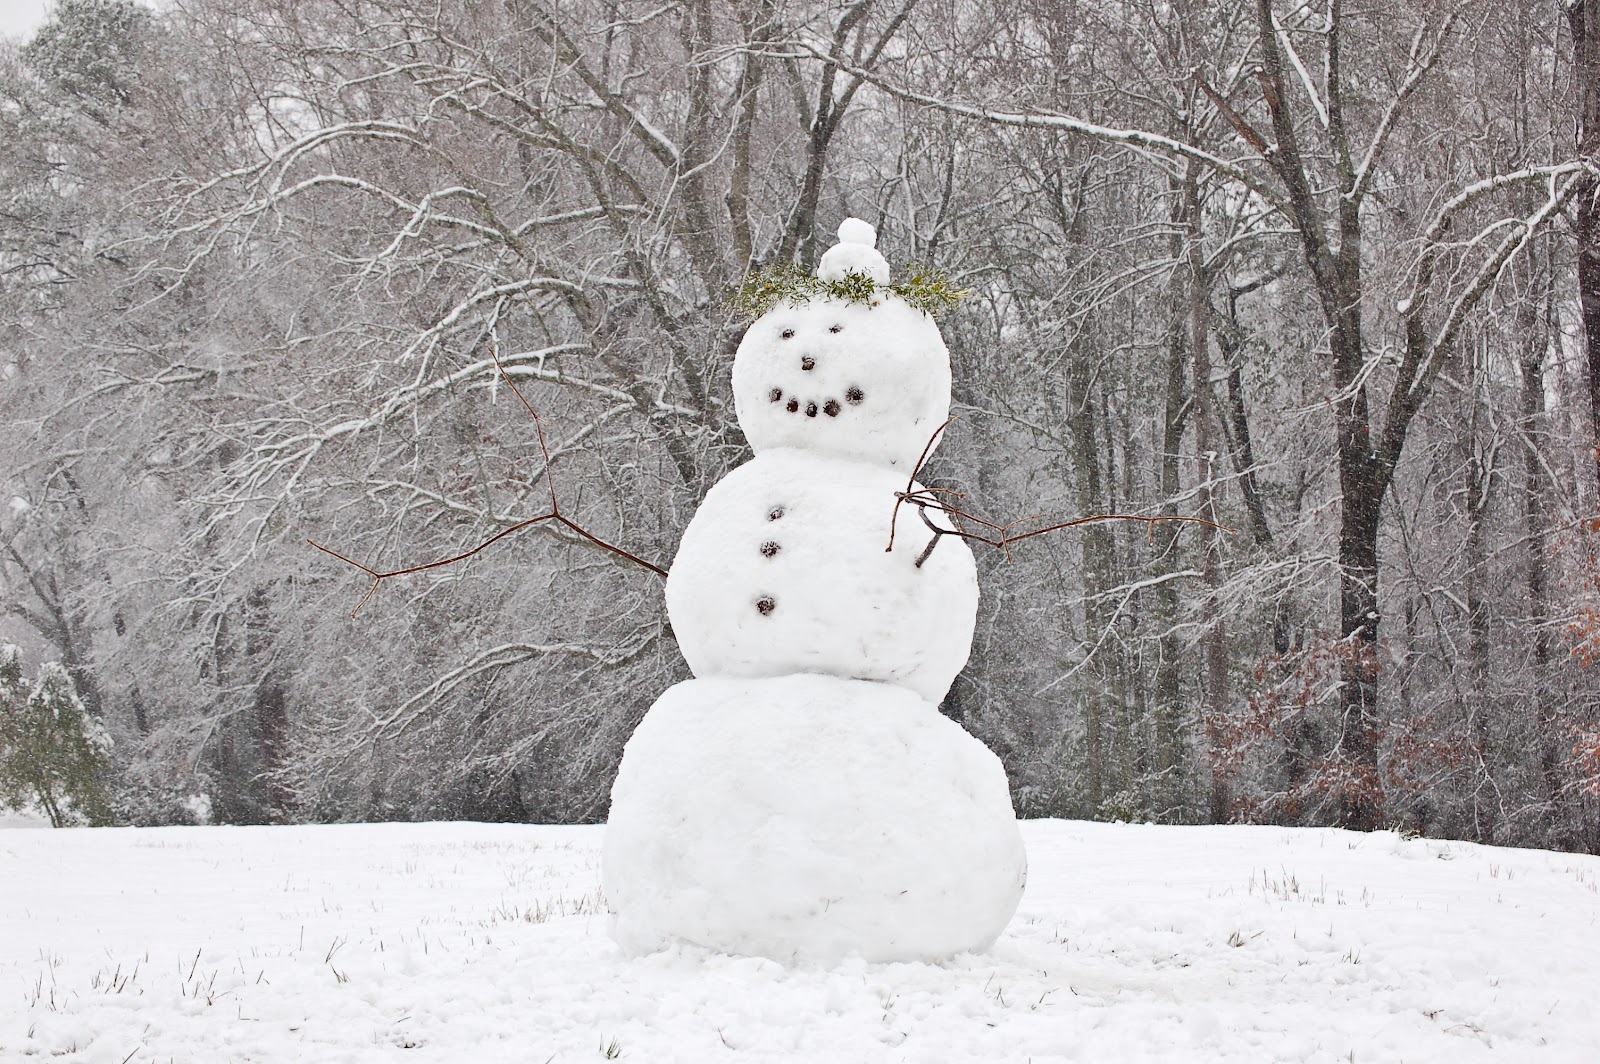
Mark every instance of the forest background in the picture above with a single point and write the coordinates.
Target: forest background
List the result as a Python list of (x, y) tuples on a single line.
[(1309, 270)]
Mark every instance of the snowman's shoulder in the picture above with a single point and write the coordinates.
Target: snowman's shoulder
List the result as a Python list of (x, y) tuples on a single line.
[(811, 470)]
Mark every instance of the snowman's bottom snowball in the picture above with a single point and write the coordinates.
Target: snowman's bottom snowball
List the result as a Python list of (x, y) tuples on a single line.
[(809, 817)]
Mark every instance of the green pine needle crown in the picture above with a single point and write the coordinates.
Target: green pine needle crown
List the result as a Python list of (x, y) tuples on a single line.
[(925, 288)]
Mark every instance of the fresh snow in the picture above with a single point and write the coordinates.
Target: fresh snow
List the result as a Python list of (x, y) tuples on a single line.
[(856, 252), (483, 943)]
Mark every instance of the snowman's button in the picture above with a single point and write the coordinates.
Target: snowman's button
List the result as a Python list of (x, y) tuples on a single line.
[(787, 334), (811, 410), (831, 408), (774, 513), (765, 605), (769, 548), (836, 328), (792, 405), (808, 363), (775, 394), (853, 396)]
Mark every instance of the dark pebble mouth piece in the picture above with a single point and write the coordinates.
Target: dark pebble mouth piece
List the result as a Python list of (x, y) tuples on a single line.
[(830, 407)]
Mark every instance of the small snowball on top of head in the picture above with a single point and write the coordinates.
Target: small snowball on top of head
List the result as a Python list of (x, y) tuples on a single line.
[(855, 231), (857, 253), (852, 271)]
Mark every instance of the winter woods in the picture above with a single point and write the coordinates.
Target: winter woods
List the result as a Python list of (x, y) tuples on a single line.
[(1306, 271)]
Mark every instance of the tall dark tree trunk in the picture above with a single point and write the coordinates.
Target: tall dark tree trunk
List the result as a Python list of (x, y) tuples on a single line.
[(1167, 711), (1360, 803), (1099, 553), (1332, 249), (1584, 18), (1242, 446), (1535, 485)]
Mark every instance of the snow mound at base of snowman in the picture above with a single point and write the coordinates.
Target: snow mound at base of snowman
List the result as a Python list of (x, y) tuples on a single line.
[(809, 817)]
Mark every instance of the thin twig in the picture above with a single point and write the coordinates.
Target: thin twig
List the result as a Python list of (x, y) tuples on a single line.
[(925, 499), (538, 426), (938, 533), (554, 514), (911, 481)]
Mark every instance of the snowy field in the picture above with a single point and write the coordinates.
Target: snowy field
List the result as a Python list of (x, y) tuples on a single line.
[(480, 943)]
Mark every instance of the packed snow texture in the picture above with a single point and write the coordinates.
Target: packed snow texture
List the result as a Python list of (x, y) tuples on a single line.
[(856, 252), (867, 382), (809, 817), (783, 569), (445, 943)]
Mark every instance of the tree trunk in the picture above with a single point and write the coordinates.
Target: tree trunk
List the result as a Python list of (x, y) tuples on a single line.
[(270, 709), (1169, 648), (1479, 481), (1584, 18), (1355, 755), (1239, 439), (1099, 559), (1335, 268), (1535, 484), (1216, 643)]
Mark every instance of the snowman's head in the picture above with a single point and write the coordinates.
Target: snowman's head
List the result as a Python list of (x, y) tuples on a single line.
[(860, 380)]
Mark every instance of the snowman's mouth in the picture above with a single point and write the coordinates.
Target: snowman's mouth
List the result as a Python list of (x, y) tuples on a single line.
[(830, 406)]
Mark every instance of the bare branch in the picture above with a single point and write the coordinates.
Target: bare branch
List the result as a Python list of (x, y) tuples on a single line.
[(554, 514), (1002, 536)]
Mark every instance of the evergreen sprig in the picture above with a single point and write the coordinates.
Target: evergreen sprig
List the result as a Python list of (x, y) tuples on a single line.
[(925, 288)]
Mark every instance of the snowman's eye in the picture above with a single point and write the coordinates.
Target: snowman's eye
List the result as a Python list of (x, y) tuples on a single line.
[(836, 328), (853, 396), (787, 334)]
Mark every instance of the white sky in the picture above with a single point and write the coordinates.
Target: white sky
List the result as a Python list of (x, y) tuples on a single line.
[(19, 17)]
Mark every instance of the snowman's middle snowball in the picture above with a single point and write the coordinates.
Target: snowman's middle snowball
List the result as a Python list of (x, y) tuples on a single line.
[(783, 570)]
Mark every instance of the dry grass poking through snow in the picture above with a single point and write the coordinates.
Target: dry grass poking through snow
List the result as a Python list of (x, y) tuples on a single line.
[(457, 942)]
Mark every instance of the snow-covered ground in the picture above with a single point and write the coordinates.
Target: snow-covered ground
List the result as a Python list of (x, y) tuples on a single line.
[(480, 943)]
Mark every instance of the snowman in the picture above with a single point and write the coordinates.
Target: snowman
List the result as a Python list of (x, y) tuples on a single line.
[(802, 798)]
